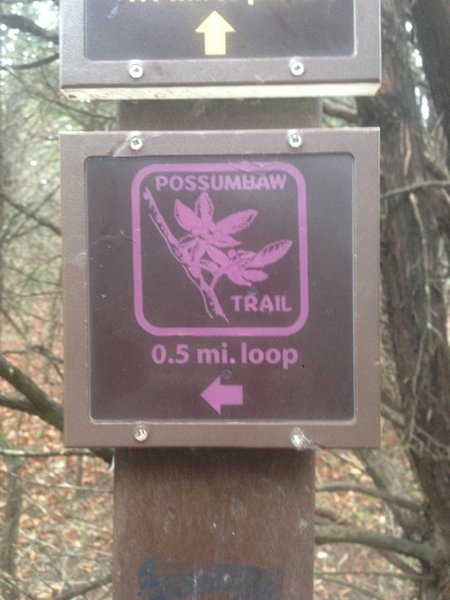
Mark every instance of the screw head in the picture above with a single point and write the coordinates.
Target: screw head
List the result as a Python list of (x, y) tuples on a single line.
[(136, 143), (297, 67), (299, 440), (295, 138), (135, 70), (140, 433), (227, 374)]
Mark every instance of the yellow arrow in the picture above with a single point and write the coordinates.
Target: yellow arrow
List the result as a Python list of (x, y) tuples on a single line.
[(215, 29)]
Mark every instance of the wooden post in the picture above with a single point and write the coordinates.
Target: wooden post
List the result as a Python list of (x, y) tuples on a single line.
[(214, 524), (203, 523)]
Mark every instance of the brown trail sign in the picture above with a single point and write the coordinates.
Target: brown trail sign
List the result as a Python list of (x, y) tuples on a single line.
[(231, 288), (219, 48)]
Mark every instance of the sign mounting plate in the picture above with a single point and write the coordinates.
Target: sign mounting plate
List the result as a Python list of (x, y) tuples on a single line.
[(224, 293), (219, 48)]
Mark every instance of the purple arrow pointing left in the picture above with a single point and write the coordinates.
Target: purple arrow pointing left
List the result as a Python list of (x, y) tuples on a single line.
[(218, 395)]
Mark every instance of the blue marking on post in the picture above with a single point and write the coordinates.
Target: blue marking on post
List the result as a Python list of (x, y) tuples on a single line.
[(243, 582)]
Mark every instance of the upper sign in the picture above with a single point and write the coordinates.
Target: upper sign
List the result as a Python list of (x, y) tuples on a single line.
[(231, 298), (219, 48)]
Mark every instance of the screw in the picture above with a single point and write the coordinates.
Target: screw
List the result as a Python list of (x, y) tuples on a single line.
[(135, 70), (140, 434), (297, 67), (136, 143), (299, 440), (294, 138), (227, 374)]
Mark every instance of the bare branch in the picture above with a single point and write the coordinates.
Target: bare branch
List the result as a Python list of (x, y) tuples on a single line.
[(387, 479), (330, 515), (31, 213), (81, 590), (352, 535), (36, 64), (369, 593), (395, 560), (343, 486), (20, 404), (44, 406), (390, 574), (26, 25), (340, 111), (26, 406)]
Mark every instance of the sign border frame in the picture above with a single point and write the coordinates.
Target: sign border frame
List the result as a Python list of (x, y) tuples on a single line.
[(358, 74), (362, 431), (217, 330)]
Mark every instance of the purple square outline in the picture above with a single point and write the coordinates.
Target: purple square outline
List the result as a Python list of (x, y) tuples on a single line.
[(220, 331)]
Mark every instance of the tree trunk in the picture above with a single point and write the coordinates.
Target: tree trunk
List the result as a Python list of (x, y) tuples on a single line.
[(412, 284), (2, 183), (432, 19), (10, 529)]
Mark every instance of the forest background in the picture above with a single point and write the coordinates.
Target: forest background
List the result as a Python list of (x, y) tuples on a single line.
[(383, 517)]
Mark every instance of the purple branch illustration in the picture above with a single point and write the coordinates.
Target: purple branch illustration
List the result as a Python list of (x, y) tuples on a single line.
[(208, 251)]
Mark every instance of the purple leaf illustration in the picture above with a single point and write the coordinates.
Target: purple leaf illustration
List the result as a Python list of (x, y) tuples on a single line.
[(186, 217), (200, 223), (242, 269), (204, 209), (237, 222), (253, 275), (236, 277), (201, 249), (209, 265), (218, 256), (271, 253), (239, 275), (241, 257), (221, 240)]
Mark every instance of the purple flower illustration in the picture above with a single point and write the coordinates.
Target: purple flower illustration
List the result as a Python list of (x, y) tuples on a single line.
[(208, 251)]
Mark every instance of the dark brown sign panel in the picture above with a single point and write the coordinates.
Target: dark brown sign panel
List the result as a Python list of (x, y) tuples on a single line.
[(128, 30), (219, 48), (222, 292)]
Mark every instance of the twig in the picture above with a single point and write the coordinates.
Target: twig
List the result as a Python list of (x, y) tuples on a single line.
[(414, 576), (5, 578), (61, 486), (43, 454), (362, 590), (81, 590), (347, 460), (414, 187), (31, 212), (38, 63)]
